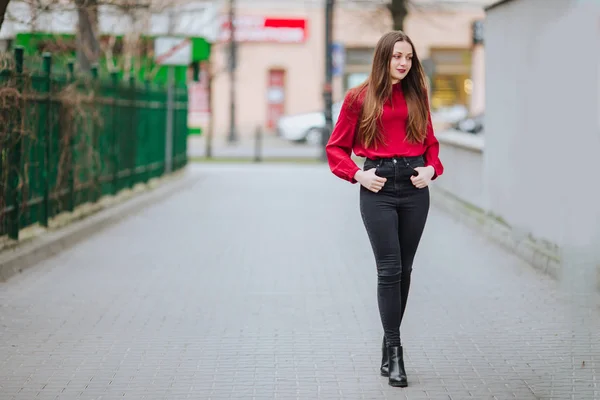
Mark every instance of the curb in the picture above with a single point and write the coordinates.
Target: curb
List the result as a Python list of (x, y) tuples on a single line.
[(30, 252), (544, 257)]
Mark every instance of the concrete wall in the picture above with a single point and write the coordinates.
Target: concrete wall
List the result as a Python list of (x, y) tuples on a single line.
[(539, 193), (542, 130), (462, 155)]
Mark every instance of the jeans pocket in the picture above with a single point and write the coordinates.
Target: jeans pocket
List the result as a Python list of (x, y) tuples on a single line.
[(369, 165), (418, 163)]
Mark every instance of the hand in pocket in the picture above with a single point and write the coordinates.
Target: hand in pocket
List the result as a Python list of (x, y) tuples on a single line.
[(370, 180)]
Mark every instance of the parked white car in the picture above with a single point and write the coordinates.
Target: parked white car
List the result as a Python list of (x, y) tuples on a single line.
[(450, 114), (306, 127)]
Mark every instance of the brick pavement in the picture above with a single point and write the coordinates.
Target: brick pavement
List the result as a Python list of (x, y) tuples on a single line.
[(270, 147), (258, 283)]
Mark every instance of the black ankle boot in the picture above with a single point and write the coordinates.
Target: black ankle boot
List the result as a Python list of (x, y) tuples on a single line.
[(385, 370), (397, 374)]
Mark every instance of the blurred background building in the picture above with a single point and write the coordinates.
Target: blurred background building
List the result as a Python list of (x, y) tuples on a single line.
[(281, 56), (280, 62)]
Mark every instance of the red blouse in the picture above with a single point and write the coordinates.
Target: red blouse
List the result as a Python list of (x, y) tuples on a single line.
[(393, 123)]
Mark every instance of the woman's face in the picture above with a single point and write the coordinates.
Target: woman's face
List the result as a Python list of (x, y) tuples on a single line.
[(401, 61)]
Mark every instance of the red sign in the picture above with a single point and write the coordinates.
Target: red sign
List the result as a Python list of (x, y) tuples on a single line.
[(254, 28)]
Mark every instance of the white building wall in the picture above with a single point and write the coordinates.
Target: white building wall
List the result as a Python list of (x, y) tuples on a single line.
[(189, 18), (542, 119)]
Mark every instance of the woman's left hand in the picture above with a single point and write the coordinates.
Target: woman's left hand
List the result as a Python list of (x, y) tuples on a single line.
[(424, 178)]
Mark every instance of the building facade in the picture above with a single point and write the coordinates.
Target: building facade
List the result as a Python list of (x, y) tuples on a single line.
[(281, 57), (541, 111)]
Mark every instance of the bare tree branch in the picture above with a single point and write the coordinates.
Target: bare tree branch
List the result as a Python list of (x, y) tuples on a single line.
[(396, 9), (132, 18)]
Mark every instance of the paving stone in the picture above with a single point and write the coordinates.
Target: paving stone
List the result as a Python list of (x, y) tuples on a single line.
[(259, 283)]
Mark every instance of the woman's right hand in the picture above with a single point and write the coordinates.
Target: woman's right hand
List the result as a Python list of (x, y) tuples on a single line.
[(369, 180)]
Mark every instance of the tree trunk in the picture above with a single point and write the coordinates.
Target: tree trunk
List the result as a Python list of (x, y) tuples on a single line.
[(399, 10), (88, 46), (3, 6)]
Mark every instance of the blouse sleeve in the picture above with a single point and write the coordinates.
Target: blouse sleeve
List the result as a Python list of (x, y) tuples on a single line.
[(432, 148), (341, 142)]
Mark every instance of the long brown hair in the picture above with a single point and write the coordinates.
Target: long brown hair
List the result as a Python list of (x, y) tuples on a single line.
[(377, 90)]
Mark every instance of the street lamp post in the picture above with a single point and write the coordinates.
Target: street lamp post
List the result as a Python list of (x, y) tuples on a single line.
[(232, 137), (327, 87)]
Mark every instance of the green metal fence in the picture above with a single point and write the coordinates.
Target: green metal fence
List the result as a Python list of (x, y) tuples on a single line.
[(66, 140)]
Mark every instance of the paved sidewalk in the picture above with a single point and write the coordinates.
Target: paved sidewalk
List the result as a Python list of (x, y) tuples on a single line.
[(270, 147), (258, 283)]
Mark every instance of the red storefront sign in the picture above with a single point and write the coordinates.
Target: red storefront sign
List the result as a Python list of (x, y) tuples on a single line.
[(254, 28)]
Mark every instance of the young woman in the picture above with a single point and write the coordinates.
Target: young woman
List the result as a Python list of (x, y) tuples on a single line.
[(387, 121)]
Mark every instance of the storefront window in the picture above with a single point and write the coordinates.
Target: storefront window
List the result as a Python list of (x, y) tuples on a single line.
[(449, 90), (451, 83), (353, 80), (357, 66)]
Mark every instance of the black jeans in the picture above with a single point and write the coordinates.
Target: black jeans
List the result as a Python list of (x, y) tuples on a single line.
[(394, 219)]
